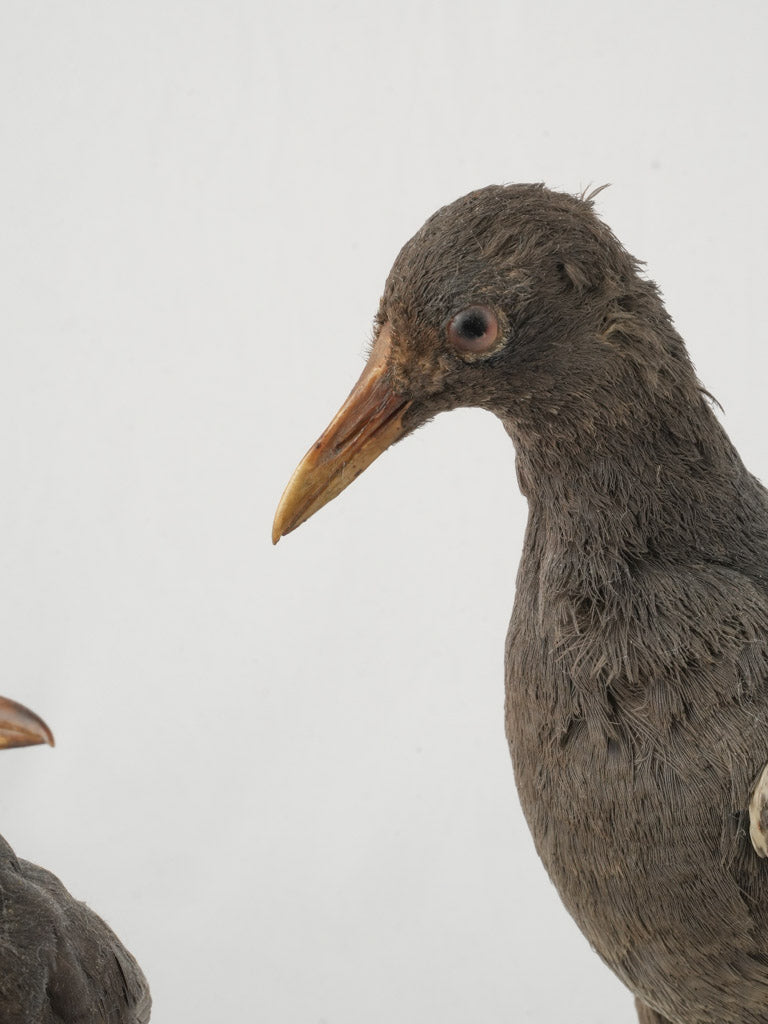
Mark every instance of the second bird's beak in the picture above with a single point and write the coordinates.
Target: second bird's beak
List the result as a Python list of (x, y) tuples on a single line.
[(20, 727), (370, 421)]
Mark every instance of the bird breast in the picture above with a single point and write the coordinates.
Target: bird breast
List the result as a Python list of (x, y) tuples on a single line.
[(634, 761)]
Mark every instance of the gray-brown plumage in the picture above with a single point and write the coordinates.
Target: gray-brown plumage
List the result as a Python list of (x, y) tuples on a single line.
[(59, 962), (637, 654)]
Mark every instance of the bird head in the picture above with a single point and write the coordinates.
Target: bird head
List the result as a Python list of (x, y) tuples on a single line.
[(20, 727), (514, 299)]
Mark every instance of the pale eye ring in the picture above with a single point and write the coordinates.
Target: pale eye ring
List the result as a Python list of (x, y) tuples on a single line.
[(474, 330)]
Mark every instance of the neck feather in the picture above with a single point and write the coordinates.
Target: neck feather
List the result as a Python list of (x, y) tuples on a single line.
[(653, 476)]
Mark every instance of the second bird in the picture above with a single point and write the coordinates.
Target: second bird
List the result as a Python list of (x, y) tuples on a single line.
[(59, 962)]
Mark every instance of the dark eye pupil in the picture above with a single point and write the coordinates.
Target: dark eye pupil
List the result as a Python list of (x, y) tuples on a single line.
[(471, 326), (473, 331)]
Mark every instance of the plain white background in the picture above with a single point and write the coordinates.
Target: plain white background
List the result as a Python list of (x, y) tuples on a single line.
[(281, 774)]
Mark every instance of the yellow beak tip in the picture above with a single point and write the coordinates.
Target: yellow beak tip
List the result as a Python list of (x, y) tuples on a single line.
[(368, 422)]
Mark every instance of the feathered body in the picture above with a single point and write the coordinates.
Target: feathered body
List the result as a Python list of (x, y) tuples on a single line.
[(59, 962), (637, 703)]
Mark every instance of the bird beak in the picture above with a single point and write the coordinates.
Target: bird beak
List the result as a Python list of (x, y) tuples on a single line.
[(370, 421), (20, 727)]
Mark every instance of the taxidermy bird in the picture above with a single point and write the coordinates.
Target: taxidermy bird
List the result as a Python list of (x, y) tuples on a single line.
[(637, 654), (59, 962)]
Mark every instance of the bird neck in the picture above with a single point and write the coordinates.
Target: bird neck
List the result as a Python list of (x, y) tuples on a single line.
[(664, 484)]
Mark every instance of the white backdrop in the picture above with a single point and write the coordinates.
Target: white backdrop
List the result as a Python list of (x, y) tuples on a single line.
[(281, 774)]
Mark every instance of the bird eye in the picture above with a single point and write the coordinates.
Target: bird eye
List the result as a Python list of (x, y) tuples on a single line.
[(474, 330)]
